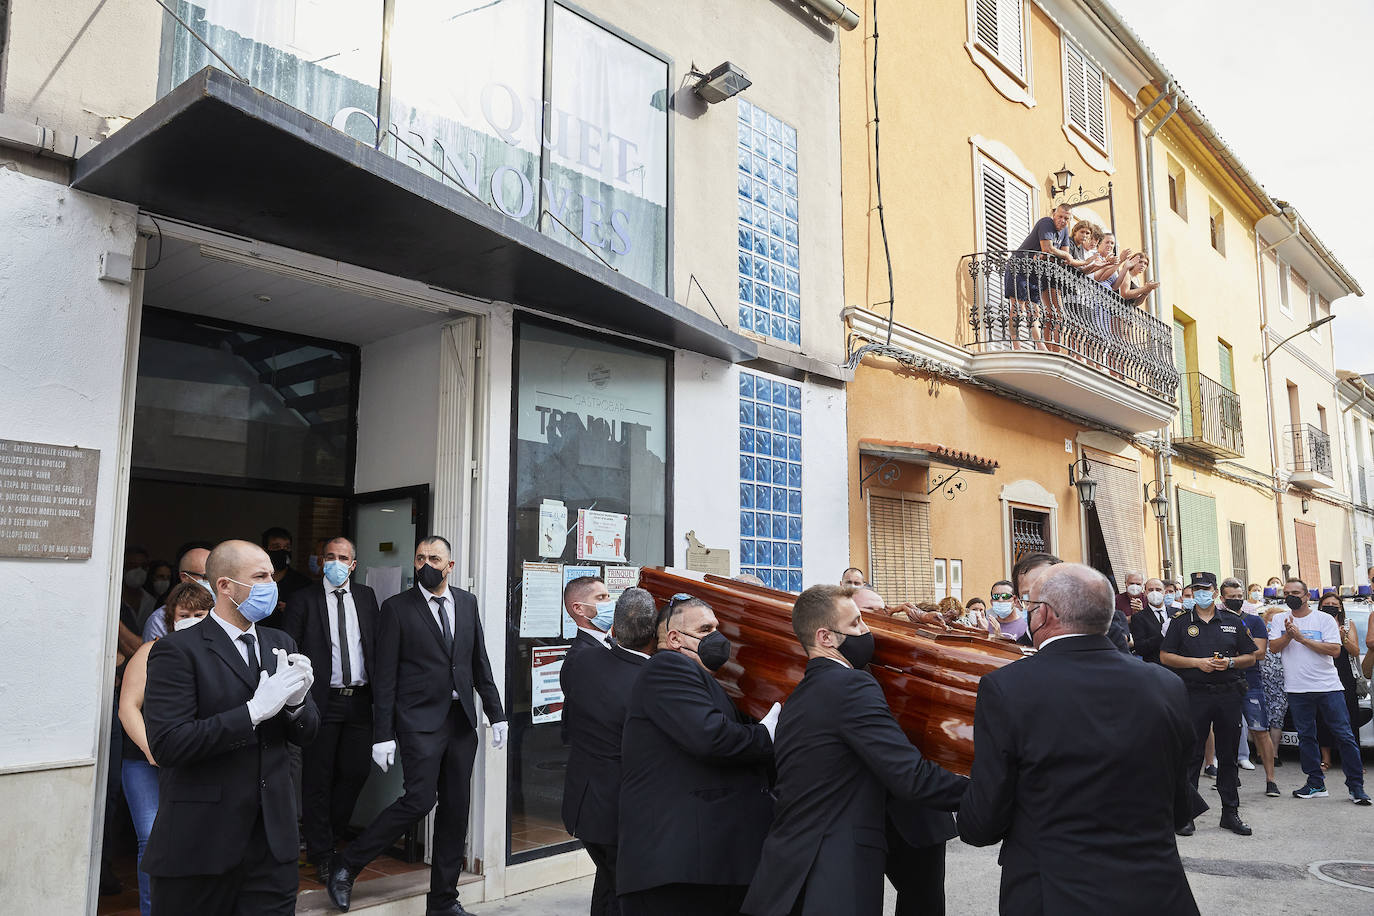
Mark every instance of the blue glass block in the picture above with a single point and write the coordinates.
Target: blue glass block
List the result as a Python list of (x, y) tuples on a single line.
[(746, 440), (780, 579), (774, 128), (793, 423), (775, 177), (793, 475), (793, 259), (743, 133), (746, 289), (761, 269), (760, 322), (761, 442), (794, 528), (793, 330), (746, 385), (746, 319), (746, 551), (776, 275), (793, 284), (763, 470), (780, 394), (793, 307), (745, 260), (794, 450), (746, 524), (777, 327), (760, 167), (775, 153), (794, 400), (779, 559), (789, 161), (746, 496), (745, 210), (746, 237), (789, 135), (775, 226), (744, 159), (760, 143), (794, 502), (761, 216), (775, 198), (779, 499), (760, 243), (779, 473), (746, 467), (743, 184), (763, 389), (794, 580), (794, 556), (746, 413), (761, 524), (760, 118), (779, 419), (762, 496), (758, 191), (778, 301), (789, 185), (773, 247), (744, 109), (790, 208), (789, 232), (780, 527)]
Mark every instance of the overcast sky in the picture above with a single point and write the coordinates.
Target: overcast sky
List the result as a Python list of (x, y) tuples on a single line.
[(1286, 84)]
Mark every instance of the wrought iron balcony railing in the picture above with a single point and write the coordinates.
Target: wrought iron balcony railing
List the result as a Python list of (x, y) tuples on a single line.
[(1309, 450), (1022, 301), (1208, 418)]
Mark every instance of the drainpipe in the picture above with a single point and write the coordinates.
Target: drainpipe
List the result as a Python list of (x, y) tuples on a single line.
[(1278, 487), (1146, 182), (834, 11)]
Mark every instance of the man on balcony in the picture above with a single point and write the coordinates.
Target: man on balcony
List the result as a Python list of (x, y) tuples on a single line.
[(1022, 284)]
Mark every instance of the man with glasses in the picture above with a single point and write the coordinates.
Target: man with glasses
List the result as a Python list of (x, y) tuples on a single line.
[(1032, 566), (1006, 618), (1035, 788), (694, 795)]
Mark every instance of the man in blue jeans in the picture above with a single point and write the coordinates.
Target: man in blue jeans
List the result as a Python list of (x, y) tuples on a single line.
[(1310, 642)]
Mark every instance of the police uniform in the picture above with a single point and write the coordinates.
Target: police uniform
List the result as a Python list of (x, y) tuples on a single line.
[(1215, 698)]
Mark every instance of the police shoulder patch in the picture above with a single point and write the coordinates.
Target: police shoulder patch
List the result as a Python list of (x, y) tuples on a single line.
[(1193, 630), (1179, 613)]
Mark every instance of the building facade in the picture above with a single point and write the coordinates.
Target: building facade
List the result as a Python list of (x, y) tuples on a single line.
[(1357, 411), (394, 268)]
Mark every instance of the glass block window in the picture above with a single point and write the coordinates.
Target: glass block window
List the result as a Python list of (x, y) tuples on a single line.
[(770, 475), (769, 257)]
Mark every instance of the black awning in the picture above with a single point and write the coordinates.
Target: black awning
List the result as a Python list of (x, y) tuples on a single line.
[(221, 154)]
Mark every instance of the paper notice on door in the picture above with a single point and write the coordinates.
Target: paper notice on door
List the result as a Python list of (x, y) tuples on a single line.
[(546, 693), (601, 535), (619, 578), (570, 573), (541, 590), (385, 581), (553, 528)]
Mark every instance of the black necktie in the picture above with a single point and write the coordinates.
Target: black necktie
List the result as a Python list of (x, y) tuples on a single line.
[(443, 621), (248, 641), (345, 663)]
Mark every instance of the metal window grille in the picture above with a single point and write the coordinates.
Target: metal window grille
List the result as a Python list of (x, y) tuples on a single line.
[(1029, 533)]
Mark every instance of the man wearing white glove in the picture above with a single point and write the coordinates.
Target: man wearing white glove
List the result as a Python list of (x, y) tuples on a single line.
[(221, 703), (431, 657)]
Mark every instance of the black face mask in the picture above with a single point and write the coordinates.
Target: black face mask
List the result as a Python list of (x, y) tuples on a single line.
[(1294, 601), (1234, 604), (714, 650), (857, 648), (280, 559), (428, 577)]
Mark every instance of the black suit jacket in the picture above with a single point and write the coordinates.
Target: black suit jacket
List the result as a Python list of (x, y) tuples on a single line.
[(1147, 633), (415, 674), (217, 772), (581, 643), (597, 684), (839, 753), (1053, 735), (311, 620), (694, 801)]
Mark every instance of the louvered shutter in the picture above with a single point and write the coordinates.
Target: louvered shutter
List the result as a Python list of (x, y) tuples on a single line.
[(1239, 565), (1085, 95), (998, 28), (1119, 511), (1197, 533), (1305, 535), (1226, 364), (1006, 209), (900, 565)]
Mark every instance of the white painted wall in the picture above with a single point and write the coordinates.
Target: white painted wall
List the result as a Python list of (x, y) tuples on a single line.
[(62, 361), (398, 401)]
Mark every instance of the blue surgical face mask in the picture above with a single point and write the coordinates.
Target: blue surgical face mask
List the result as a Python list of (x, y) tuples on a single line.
[(1188, 603), (336, 572), (1002, 609), (605, 616), (205, 585), (1202, 597), (261, 600)]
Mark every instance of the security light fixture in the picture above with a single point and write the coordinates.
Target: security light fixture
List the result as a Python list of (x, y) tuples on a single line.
[(1081, 477), (1062, 179), (724, 82)]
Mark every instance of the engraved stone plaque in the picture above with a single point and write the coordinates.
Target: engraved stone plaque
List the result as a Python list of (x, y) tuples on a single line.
[(47, 500)]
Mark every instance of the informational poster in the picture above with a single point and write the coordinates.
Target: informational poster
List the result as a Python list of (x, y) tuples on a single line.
[(570, 573), (601, 535), (553, 528), (619, 578), (47, 500), (541, 591), (546, 693)]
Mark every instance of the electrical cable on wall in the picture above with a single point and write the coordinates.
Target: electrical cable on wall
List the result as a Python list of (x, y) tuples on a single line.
[(878, 181)]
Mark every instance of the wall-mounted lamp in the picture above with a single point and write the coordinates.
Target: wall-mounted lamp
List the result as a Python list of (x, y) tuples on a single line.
[(1159, 503), (1081, 477), (1062, 179), (724, 82), (1305, 505)]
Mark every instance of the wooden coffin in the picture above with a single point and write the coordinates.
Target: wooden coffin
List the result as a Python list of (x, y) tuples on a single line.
[(930, 675)]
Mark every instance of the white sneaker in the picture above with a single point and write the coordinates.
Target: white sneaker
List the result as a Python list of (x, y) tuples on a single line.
[(1245, 764)]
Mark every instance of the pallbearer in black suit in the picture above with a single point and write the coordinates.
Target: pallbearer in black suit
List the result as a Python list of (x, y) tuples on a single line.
[(1147, 624), (335, 626), (1053, 735), (430, 658), (840, 752), (588, 602), (222, 700), (596, 691), (694, 796)]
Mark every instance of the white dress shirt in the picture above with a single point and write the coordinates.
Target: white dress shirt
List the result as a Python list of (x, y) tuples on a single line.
[(597, 635), (355, 640), (1062, 636), (429, 597), (234, 633)]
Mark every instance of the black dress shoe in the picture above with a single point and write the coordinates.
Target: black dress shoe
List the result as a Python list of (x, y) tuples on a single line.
[(1187, 829), (1231, 821), (455, 909), (340, 887)]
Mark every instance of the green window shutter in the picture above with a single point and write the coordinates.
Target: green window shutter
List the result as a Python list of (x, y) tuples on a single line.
[(1199, 550), (1227, 363)]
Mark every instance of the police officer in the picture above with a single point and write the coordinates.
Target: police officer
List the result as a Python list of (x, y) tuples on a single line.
[(1209, 646)]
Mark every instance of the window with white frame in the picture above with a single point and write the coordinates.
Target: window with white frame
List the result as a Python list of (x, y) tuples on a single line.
[(1284, 305), (998, 29), (1006, 214), (770, 476), (769, 248), (1085, 95)]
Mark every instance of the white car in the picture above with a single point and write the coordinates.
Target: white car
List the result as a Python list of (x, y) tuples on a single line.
[(1358, 612)]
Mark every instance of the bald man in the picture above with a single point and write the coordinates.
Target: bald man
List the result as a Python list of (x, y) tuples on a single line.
[(190, 568), (222, 701)]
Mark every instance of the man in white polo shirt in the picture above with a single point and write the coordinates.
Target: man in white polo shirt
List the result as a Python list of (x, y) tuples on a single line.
[(1310, 642)]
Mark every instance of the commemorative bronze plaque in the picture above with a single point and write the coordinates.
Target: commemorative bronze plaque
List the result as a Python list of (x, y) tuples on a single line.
[(47, 500)]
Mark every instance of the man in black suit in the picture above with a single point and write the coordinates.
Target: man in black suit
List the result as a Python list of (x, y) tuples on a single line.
[(1147, 624), (588, 602), (277, 543), (222, 701), (694, 798), (839, 753), (431, 656), (335, 626), (596, 691), (1052, 735)]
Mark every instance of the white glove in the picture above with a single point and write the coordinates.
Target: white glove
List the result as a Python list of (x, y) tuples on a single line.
[(384, 754), (274, 692), (770, 721), (498, 734), (300, 663)]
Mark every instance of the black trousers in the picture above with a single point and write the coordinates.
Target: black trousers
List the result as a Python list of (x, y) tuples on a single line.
[(604, 900), (437, 767), (685, 900), (918, 874), (1220, 713), (334, 768), (258, 886)]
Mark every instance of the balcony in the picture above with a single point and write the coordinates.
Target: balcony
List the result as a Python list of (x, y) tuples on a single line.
[(1081, 348), (1208, 420), (1309, 457)]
